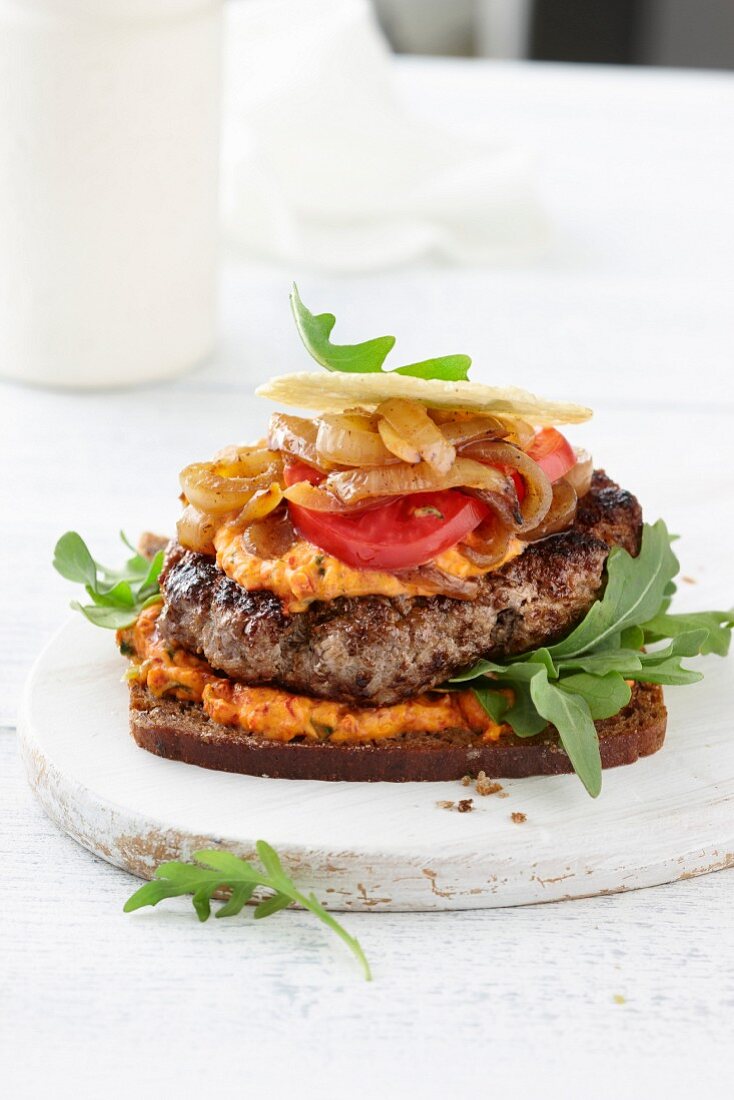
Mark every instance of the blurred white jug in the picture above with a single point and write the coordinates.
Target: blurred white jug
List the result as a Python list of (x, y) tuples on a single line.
[(109, 136)]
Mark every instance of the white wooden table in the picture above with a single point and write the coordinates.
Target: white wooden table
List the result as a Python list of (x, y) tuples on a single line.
[(630, 312)]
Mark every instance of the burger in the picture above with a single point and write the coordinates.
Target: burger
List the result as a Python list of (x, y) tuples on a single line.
[(421, 580)]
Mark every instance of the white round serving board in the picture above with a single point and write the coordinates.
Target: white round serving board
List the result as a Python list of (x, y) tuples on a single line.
[(380, 845)]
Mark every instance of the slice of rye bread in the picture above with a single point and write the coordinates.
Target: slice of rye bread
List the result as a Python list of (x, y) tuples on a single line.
[(182, 731)]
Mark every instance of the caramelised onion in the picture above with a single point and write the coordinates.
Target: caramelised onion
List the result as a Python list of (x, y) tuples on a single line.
[(260, 504), (439, 583), (410, 421), (538, 491), (235, 452), (296, 435), (487, 544), (559, 516), (320, 499), (579, 476), (518, 431), (226, 486), (351, 486), (458, 432), (270, 537), (395, 443), (506, 506), (196, 530), (351, 440)]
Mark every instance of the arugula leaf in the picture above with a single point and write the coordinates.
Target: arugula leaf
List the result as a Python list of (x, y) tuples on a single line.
[(667, 672), (518, 711), (271, 905), (238, 899), (493, 701), (126, 541), (571, 715), (215, 870), (315, 332), (478, 669), (605, 695), (523, 716), (523, 669), (583, 678), (718, 625), (599, 664), (368, 357), (632, 637), (149, 585), (118, 595), (111, 618), (449, 368), (633, 594), (73, 560), (688, 644), (663, 666)]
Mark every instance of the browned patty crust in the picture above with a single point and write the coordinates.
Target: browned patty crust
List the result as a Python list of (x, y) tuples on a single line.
[(375, 650)]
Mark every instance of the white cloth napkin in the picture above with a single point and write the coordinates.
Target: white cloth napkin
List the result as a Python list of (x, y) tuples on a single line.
[(324, 166)]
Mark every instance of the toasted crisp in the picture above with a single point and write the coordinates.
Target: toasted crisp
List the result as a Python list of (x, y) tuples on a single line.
[(330, 391)]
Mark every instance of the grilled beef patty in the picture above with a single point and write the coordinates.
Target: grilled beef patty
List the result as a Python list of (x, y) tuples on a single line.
[(375, 650)]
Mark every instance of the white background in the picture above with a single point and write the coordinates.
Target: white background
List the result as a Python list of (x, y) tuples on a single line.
[(630, 312)]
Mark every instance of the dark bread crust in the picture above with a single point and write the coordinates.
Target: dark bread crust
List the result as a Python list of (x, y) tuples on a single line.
[(182, 731)]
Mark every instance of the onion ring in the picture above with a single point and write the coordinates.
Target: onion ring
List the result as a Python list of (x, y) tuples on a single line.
[(219, 487), (487, 544), (538, 490), (559, 516)]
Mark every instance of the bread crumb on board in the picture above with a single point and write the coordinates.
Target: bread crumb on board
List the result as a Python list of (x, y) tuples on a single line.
[(518, 818), (688, 580), (487, 786), (483, 784), (464, 806), (619, 999)]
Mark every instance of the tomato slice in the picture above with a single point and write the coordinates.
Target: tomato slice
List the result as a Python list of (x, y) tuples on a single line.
[(553, 453), (411, 530), (401, 534), (300, 471)]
